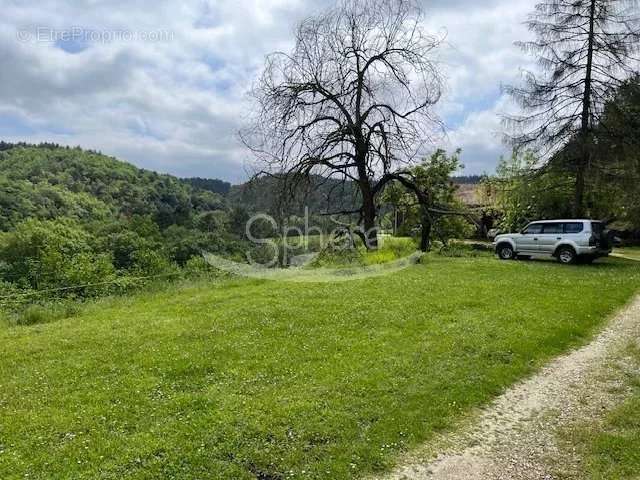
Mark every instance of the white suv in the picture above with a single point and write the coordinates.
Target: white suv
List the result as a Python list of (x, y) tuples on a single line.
[(567, 240)]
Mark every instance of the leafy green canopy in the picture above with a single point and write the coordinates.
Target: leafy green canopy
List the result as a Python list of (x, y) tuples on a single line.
[(433, 177), (612, 186), (71, 217), (48, 183)]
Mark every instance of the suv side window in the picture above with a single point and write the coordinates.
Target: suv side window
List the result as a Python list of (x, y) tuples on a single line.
[(533, 229), (552, 228), (573, 227)]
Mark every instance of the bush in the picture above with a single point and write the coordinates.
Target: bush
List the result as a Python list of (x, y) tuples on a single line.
[(337, 255), (45, 255), (44, 313), (390, 249), (149, 263), (197, 265), (14, 298), (87, 275), (456, 249), (124, 245)]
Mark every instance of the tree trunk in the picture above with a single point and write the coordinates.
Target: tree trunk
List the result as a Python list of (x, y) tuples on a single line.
[(369, 218), (368, 197), (578, 210), (583, 159), (425, 236)]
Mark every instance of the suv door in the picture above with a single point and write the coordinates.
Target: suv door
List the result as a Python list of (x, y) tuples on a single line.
[(527, 241), (551, 234)]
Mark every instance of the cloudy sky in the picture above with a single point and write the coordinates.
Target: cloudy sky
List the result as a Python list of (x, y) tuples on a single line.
[(162, 83)]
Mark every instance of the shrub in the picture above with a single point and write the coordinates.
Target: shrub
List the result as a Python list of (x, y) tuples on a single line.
[(390, 249), (13, 298), (124, 245), (337, 255), (44, 313), (46, 255), (197, 265), (149, 263), (456, 249)]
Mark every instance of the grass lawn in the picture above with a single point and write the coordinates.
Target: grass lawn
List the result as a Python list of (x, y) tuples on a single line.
[(273, 380)]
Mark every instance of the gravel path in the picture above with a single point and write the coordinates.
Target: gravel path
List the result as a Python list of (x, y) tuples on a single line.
[(515, 436)]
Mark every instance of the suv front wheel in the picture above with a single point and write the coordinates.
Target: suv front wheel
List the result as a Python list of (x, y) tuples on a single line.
[(567, 255), (505, 252)]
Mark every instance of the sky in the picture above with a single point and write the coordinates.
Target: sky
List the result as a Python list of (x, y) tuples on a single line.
[(163, 84)]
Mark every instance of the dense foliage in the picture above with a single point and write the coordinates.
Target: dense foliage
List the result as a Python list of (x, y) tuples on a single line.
[(211, 184), (440, 208), (585, 49), (70, 217), (49, 183), (523, 191)]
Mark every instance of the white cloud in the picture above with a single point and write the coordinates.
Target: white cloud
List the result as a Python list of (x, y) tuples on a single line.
[(480, 137), (175, 105), (479, 58)]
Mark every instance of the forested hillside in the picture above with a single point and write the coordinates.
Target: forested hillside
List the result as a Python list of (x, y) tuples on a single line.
[(48, 182), (320, 195), (70, 217), (77, 223), (211, 184)]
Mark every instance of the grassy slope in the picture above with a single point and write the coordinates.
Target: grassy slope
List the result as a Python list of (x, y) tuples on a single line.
[(253, 379)]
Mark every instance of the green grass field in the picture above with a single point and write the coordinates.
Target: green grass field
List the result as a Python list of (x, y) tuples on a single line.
[(274, 380)]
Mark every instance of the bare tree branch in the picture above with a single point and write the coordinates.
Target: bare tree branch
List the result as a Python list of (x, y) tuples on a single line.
[(352, 100)]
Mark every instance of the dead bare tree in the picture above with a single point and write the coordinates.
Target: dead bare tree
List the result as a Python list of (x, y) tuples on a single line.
[(585, 48), (352, 101)]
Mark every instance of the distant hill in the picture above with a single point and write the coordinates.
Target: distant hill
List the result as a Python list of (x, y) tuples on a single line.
[(211, 184), (469, 194), (467, 179), (48, 181), (320, 195)]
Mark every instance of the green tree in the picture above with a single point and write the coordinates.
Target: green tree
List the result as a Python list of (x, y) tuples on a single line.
[(52, 255), (522, 194), (585, 48), (426, 194), (615, 166)]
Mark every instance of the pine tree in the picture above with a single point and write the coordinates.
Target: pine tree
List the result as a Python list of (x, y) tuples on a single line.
[(586, 49)]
